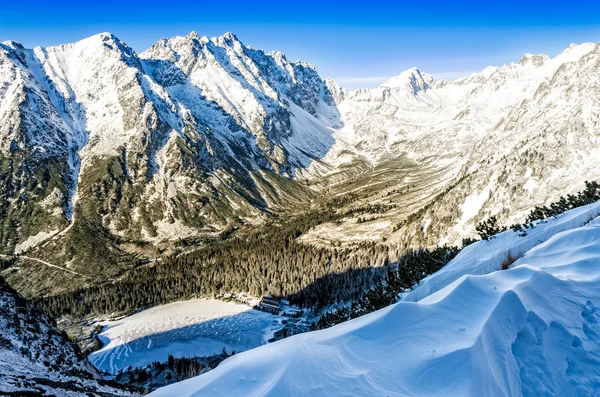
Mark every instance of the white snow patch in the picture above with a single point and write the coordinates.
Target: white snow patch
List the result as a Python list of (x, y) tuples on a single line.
[(192, 328), (32, 241), (470, 208)]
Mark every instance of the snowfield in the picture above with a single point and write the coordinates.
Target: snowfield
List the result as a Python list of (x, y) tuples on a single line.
[(193, 328), (471, 330)]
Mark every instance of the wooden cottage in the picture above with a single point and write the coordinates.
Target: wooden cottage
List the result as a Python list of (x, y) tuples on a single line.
[(270, 304)]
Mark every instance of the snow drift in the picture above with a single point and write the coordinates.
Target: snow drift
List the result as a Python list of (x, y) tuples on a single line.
[(472, 330)]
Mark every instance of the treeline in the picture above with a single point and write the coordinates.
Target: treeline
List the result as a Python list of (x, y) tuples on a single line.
[(159, 374), (413, 267), (268, 260), (490, 227), (6, 262)]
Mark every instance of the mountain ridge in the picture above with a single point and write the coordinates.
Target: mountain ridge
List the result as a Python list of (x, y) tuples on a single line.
[(179, 129), (108, 156)]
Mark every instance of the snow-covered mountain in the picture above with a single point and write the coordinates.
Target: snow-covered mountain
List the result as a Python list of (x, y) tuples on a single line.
[(183, 139), (446, 154), (36, 358), (103, 150), (412, 109), (471, 329), (108, 156)]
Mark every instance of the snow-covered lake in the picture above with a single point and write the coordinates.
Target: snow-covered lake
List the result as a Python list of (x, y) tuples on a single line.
[(192, 328)]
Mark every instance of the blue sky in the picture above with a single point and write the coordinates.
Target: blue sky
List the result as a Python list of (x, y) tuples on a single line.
[(360, 44)]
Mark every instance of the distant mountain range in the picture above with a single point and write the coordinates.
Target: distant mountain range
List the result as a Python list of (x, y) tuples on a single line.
[(108, 157)]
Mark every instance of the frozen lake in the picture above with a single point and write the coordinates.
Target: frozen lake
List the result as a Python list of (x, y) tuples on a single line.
[(192, 328)]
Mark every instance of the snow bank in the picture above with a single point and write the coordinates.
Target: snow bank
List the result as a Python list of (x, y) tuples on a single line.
[(531, 330), (487, 256)]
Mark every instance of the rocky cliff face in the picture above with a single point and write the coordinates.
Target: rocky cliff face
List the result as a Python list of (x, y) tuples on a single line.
[(36, 358)]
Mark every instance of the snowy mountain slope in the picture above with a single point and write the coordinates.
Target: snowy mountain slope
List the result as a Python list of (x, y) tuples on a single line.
[(412, 109), (500, 142), (192, 136), (530, 330), (36, 358), (488, 256), (253, 90), (33, 145)]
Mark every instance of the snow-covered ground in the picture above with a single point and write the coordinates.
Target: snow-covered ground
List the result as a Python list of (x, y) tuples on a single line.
[(184, 329), (488, 256), (471, 330)]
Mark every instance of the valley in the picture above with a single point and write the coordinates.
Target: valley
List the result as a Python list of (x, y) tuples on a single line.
[(226, 137), (139, 191)]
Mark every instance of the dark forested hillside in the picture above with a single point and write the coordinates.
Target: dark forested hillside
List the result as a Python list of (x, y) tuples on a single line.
[(265, 260), (271, 260)]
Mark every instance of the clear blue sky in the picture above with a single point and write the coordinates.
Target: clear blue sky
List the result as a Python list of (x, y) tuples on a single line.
[(357, 43)]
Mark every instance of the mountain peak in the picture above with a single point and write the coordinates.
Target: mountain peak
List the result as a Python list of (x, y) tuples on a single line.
[(105, 37), (193, 35), (13, 44), (534, 59), (411, 78), (229, 38), (337, 92), (226, 40), (114, 45), (575, 52)]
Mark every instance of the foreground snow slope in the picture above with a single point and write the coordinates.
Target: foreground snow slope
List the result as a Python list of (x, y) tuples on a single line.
[(488, 256), (530, 330)]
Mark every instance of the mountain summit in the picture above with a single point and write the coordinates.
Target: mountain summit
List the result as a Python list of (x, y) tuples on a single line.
[(412, 79)]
